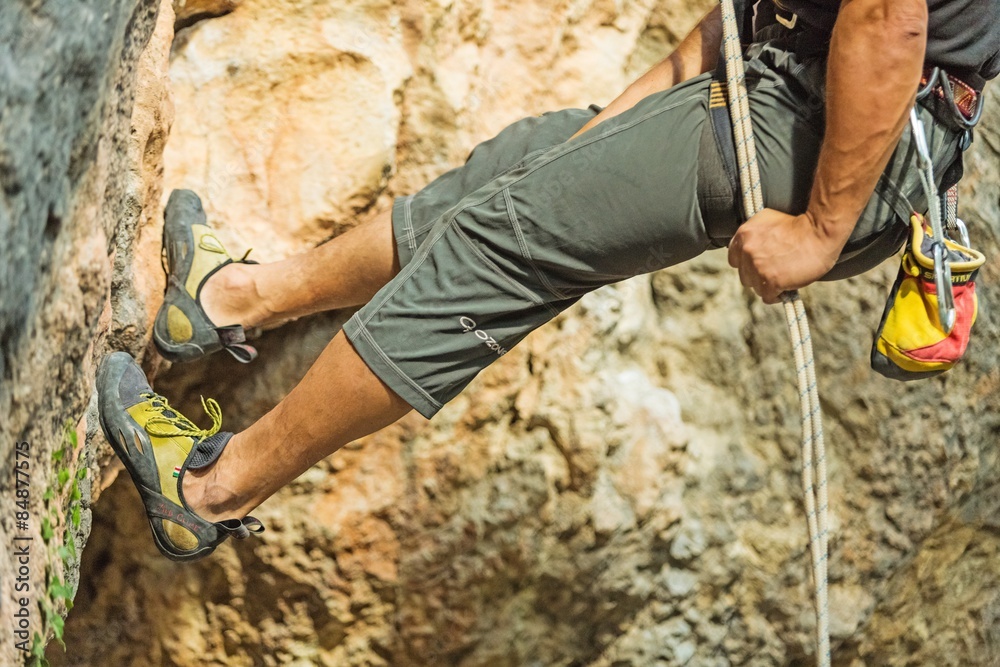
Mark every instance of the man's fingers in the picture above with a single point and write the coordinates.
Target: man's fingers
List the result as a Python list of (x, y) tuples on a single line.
[(735, 247), (746, 279), (750, 277)]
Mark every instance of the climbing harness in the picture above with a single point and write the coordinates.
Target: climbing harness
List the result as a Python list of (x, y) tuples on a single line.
[(813, 450), (943, 276)]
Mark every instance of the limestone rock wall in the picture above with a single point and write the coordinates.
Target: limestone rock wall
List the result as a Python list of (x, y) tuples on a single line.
[(80, 149), (623, 488)]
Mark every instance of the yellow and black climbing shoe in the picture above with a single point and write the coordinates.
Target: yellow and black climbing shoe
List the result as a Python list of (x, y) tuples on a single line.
[(158, 446), (182, 330)]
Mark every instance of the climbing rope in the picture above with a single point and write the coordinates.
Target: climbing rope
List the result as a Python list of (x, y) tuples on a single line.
[(813, 449)]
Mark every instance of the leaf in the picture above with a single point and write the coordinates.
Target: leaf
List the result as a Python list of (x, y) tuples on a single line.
[(75, 516), (59, 590), (47, 531), (57, 629), (81, 473), (58, 455), (49, 494), (38, 646), (70, 433), (38, 652), (63, 476), (75, 493)]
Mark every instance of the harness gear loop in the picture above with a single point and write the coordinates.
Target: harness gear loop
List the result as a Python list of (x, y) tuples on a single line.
[(814, 476), (967, 118)]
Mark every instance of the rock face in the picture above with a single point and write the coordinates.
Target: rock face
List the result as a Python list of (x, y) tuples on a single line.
[(189, 12), (79, 167), (623, 487)]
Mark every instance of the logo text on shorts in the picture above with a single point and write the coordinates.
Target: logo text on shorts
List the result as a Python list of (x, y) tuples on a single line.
[(469, 326)]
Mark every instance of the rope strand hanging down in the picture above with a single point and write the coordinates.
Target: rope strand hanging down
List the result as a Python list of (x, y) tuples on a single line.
[(814, 475)]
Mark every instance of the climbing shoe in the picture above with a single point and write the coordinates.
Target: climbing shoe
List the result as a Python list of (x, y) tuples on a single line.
[(158, 445), (182, 331)]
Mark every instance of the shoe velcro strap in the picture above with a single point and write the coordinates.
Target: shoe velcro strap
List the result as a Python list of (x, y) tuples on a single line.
[(233, 339), (231, 334), (162, 508)]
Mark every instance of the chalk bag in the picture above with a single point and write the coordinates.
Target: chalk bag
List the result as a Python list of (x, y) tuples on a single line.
[(911, 343)]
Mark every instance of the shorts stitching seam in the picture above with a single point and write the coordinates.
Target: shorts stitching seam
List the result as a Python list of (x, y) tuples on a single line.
[(408, 223), (404, 275), (519, 234), (366, 334), (427, 226), (533, 298)]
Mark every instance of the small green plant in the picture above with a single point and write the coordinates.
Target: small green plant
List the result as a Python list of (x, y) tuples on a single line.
[(62, 510)]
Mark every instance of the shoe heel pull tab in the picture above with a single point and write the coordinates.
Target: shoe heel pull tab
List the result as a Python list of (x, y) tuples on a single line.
[(253, 525), (242, 353), (233, 338), (241, 529)]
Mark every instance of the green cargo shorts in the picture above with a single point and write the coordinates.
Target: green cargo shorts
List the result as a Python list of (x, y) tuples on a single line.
[(494, 249)]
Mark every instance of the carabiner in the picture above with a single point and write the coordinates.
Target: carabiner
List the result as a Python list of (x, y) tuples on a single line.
[(929, 86), (942, 269), (963, 232), (942, 281), (939, 77)]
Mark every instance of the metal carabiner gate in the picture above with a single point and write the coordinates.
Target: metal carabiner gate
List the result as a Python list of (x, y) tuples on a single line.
[(942, 268)]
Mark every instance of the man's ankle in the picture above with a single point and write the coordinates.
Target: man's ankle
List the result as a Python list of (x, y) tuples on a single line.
[(208, 497), (231, 296)]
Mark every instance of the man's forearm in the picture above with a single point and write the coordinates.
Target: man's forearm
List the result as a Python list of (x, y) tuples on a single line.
[(875, 62), (697, 53)]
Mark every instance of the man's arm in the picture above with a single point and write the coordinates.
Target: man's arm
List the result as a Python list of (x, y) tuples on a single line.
[(697, 53), (876, 58)]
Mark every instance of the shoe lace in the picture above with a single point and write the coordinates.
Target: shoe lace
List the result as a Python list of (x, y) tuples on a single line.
[(169, 422)]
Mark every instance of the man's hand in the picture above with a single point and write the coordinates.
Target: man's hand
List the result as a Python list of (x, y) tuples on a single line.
[(876, 56), (776, 252)]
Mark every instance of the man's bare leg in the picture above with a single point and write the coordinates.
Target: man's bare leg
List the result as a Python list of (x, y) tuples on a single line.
[(338, 401), (344, 272)]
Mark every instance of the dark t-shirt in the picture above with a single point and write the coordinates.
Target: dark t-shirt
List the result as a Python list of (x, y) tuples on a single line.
[(963, 36)]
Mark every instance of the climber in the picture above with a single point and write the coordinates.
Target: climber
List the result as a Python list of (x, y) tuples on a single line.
[(550, 209)]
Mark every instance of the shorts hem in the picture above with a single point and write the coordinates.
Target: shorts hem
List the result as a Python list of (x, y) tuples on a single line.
[(382, 366)]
